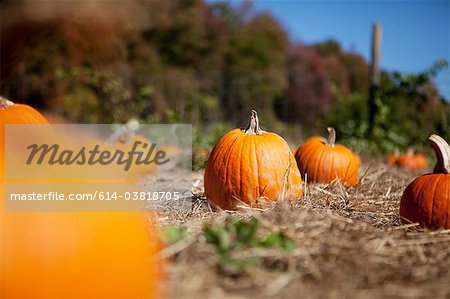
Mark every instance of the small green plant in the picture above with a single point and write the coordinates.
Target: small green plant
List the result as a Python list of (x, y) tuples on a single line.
[(172, 234), (237, 236)]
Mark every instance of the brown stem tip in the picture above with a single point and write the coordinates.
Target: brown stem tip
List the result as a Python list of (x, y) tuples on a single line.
[(331, 140), (253, 126), (442, 150)]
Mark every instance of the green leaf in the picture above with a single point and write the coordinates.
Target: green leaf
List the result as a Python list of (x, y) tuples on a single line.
[(246, 230), (172, 234), (218, 236), (277, 240)]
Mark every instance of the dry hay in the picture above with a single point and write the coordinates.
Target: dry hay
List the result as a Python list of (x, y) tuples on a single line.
[(350, 243)]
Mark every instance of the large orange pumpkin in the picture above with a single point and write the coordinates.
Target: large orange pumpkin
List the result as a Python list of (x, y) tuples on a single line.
[(427, 199), (76, 255), (250, 166), (324, 161), (71, 254)]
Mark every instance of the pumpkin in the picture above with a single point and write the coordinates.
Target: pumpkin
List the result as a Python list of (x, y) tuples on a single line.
[(293, 150), (251, 166), (412, 161), (125, 143), (173, 153), (316, 138), (11, 113), (393, 157), (421, 161), (427, 199), (325, 161), (75, 254), (72, 254), (171, 150)]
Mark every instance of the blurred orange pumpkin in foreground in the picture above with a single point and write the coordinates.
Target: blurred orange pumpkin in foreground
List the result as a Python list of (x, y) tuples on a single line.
[(72, 254), (79, 255)]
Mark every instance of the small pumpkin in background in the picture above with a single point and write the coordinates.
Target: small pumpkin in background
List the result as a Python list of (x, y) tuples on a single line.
[(427, 199), (173, 153), (412, 161), (125, 141), (324, 161), (393, 157), (251, 166), (421, 161)]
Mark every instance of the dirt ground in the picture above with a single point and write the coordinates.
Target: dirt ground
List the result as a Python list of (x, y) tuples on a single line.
[(349, 243)]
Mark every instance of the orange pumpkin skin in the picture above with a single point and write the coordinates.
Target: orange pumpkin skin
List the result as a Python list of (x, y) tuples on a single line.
[(421, 161), (414, 162), (325, 163), (11, 113), (250, 166), (72, 255), (171, 151), (77, 255), (427, 199), (143, 169), (392, 159), (407, 162), (316, 138)]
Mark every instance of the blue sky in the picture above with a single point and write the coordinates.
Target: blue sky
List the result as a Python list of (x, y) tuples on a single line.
[(415, 33)]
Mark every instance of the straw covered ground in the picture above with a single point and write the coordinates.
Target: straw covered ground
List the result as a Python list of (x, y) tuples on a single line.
[(343, 243)]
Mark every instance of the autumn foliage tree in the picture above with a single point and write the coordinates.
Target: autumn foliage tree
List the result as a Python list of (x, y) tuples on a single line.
[(191, 61)]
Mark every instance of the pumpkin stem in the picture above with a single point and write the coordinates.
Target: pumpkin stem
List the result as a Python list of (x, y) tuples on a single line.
[(253, 126), (331, 140), (442, 150), (5, 103), (410, 151)]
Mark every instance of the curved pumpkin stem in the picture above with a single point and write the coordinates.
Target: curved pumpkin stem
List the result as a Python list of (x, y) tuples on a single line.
[(253, 126), (331, 140), (5, 103), (442, 150)]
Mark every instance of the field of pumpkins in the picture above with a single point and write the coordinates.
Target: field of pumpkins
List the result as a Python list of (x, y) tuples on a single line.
[(319, 221)]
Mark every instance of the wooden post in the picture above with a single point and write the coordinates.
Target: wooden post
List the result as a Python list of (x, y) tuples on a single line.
[(374, 74)]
